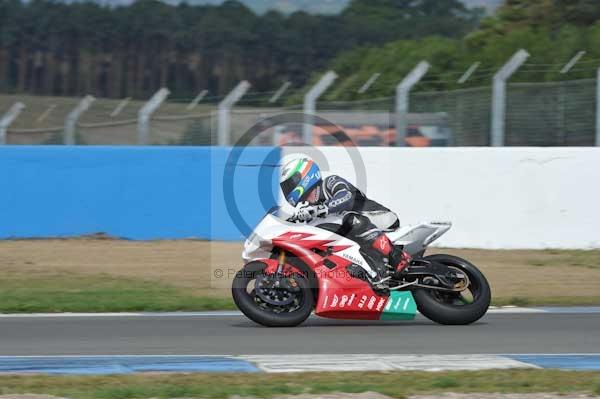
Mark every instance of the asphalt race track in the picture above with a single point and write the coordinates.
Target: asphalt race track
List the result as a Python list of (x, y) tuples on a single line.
[(228, 333)]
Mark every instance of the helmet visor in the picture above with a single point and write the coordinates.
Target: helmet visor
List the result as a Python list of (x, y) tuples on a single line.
[(288, 185)]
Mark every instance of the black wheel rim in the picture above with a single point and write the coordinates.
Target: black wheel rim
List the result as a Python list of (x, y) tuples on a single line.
[(466, 297), (296, 304)]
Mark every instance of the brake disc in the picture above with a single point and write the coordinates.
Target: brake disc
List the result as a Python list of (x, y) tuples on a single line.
[(269, 289)]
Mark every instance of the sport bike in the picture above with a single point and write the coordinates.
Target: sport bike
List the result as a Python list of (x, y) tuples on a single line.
[(292, 269)]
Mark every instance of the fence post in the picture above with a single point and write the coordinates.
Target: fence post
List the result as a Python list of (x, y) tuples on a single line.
[(561, 134), (499, 96), (598, 108), (46, 113), (280, 91), (194, 103), (224, 110), (368, 83), (569, 65), (120, 107), (310, 103), (402, 100), (146, 112), (463, 79), (70, 123), (8, 118)]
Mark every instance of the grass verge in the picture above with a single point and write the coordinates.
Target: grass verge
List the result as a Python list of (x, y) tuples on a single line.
[(105, 293), (102, 293), (396, 384), (98, 274)]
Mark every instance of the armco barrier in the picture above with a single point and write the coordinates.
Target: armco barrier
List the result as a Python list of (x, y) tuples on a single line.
[(511, 197), (132, 192)]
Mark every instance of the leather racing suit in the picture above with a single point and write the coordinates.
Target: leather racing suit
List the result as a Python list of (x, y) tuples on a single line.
[(364, 221)]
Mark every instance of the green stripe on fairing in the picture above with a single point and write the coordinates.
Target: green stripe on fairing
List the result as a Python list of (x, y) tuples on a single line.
[(400, 306)]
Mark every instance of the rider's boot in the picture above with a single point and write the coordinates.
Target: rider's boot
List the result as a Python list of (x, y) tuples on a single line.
[(399, 260), (394, 261), (383, 247)]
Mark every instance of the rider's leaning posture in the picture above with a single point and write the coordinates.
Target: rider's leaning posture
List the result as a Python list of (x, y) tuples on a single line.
[(364, 220)]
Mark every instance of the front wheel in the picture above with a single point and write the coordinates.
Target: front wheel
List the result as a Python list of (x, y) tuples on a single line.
[(455, 308), (262, 302)]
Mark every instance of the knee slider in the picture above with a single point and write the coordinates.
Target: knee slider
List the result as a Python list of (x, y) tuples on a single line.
[(354, 220)]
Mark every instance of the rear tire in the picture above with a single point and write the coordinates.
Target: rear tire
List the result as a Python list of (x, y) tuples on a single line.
[(431, 307), (246, 303)]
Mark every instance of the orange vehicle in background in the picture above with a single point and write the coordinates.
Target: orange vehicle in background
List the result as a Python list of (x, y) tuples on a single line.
[(363, 136)]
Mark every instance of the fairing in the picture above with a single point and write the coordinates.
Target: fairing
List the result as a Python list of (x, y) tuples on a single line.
[(340, 295)]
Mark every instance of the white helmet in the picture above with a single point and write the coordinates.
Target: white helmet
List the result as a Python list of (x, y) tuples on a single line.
[(299, 175)]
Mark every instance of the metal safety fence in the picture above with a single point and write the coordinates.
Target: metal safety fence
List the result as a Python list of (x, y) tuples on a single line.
[(561, 113), (468, 113), (551, 114)]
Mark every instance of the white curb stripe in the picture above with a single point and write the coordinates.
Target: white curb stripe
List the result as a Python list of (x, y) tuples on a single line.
[(307, 363)]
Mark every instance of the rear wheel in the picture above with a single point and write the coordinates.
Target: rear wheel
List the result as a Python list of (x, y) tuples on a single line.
[(463, 307), (255, 296)]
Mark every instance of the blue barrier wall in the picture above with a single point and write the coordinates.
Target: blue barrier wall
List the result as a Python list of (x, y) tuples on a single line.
[(134, 192)]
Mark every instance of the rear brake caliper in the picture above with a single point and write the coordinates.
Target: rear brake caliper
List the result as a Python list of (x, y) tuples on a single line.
[(454, 279), (438, 274)]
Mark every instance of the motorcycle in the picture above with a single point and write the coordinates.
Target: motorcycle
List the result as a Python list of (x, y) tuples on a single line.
[(294, 268)]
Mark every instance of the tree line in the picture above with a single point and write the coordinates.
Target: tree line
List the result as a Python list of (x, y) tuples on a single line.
[(53, 48), (551, 31)]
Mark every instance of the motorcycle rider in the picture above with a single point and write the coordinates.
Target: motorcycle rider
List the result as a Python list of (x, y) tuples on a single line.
[(363, 219)]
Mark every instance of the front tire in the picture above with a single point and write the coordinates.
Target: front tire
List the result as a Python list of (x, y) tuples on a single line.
[(447, 308), (250, 306)]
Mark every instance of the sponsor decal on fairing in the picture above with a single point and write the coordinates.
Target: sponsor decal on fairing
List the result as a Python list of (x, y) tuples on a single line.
[(371, 303), (362, 302), (351, 299), (334, 302), (344, 301), (380, 304)]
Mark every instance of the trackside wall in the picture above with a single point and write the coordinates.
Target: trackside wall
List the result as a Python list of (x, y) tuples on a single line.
[(496, 197), (132, 192)]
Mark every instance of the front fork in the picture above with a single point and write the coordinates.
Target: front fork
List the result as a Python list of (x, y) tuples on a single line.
[(280, 261), (282, 281)]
